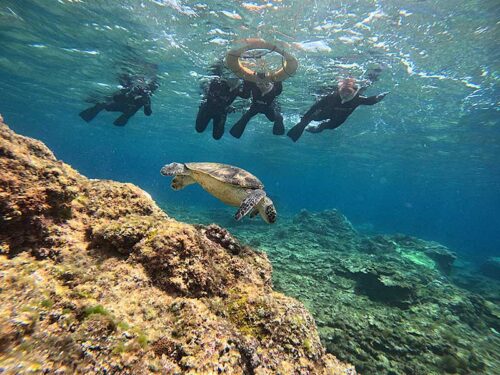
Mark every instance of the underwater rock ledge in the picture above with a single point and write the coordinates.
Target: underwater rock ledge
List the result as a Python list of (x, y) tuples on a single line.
[(95, 278)]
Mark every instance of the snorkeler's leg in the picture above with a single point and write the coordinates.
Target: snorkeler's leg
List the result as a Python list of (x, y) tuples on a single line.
[(318, 128), (90, 113), (278, 127), (114, 107), (203, 118), (147, 109), (123, 119), (219, 122), (238, 128), (330, 124), (273, 113)]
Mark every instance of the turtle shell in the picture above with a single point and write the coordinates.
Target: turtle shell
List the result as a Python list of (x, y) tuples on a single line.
[(228, 174)]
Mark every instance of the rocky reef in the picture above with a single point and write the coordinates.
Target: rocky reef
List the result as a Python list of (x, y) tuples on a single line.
[(389, 304), (96, 279)]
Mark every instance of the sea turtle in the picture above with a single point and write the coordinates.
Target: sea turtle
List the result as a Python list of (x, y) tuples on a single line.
[(233, 186)]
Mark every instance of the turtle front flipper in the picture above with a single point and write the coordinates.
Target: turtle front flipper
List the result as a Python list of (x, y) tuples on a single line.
[(254, 213), (180, 182), (250, 202)]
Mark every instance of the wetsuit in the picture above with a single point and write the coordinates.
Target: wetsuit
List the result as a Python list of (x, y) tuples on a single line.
[(215, 106), (332, 109), (266, 104), (134, 96)]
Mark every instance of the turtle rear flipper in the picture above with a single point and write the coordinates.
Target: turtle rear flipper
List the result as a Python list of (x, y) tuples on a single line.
[(180, 182), (249, 203)]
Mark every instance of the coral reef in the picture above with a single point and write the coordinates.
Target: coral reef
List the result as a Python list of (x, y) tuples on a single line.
[(389, 304), (96, 279)]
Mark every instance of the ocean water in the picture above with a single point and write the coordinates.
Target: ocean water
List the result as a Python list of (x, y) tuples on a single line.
[(424, 161)]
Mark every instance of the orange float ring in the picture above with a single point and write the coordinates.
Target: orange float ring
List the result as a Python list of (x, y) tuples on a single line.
[(289, 67)]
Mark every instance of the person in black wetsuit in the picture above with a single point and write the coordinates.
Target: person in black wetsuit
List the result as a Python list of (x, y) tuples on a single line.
[(335, 108), (136, 93), (264, 101), (216, 105)]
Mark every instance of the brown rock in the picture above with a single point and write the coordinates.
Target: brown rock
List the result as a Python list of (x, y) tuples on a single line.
[(183, 299)]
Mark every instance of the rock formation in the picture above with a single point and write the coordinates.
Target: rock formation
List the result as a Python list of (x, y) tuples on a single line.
[(389, 304), (96, 279)]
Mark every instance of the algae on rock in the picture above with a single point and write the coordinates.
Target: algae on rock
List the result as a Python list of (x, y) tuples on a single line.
[(95, 278)]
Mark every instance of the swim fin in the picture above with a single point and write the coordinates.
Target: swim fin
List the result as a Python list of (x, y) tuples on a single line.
[(122, 120), (295, 132), (238, 129), (90, 113)]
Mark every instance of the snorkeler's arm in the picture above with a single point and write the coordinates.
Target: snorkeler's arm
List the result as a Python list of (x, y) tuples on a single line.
[(154, 85), (371, 100)]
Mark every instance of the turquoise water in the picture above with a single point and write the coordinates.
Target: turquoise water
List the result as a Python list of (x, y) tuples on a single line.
[(424, 161)]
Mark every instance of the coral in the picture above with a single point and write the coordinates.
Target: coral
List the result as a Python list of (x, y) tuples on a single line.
[(222, 237), (122, 234), (386, 303), (95, 278), (36, 192), (182, 260)]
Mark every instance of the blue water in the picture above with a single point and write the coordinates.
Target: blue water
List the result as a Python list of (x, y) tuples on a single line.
[(425, 161)]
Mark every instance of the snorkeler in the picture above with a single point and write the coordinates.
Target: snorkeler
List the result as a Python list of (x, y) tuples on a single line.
[(263, 86), (215, 106), (335, 107), (264, 101), (136, 93)]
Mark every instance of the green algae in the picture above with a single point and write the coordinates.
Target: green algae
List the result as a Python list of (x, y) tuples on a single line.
[(245, 320), (82, 199), (151, 234), (47, 303), (307, 345), (123, 326), (142, 340), (96, 309), (119, 348)]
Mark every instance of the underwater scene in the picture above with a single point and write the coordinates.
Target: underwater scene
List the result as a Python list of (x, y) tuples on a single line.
[(249, 187)]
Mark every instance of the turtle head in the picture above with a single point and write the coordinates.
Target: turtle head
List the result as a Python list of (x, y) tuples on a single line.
[(267, 210), (173, 169)]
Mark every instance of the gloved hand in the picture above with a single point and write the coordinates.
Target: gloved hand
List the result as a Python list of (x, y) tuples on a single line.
[(382, 95)]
